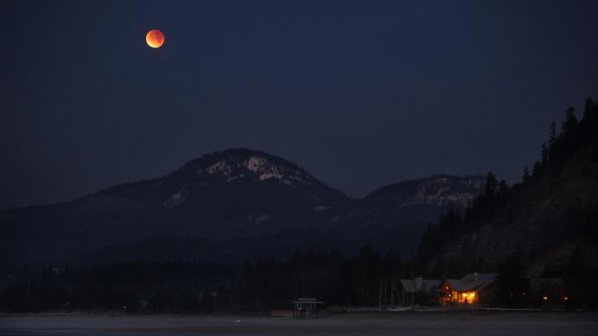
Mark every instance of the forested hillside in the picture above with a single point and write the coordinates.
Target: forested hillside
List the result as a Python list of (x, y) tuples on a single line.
[(549, 220)]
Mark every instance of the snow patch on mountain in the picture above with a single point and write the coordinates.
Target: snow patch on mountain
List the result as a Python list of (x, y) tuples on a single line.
[(262, 218), (177, 198), (441, 192), (255, 167), (265, 169), (220, 168), (254, 164)]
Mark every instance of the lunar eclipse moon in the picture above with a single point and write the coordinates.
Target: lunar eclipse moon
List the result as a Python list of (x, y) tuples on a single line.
[(154, 38)]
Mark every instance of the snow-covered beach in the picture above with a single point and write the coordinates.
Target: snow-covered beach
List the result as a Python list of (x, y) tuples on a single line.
[(429, 323)]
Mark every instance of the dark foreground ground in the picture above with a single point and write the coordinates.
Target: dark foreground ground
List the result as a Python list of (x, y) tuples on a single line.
[(429, 323)]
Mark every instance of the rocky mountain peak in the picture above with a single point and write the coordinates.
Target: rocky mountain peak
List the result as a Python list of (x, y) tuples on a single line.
[(237, 164), (439, 190)]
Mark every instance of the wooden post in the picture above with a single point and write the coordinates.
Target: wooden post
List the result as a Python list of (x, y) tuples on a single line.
[(380, 294)]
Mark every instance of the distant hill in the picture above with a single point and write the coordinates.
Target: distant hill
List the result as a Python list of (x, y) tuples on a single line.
[(226, 206), (550, 219), (398, 214), (439, 190), (230, 194)]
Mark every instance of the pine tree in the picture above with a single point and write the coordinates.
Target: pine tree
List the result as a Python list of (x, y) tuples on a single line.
[(570, 124), (525, 174), (536, 169), (491, 184), (503, 188), (512, 283), (545, 156), (553, 134), (588, 108), (589, 120)]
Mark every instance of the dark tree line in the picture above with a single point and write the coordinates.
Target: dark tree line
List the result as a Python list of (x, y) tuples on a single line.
[(513, 285), (366, 279), (135, 286), (452, 224), (574, 135)]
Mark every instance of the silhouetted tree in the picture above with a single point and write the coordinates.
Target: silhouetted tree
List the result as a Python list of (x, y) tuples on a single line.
[(503, 191), (570, 122), (537, 168), (553, 133), (544, 154), (491, 184), (526, 175), (588, 108), (513, 286)]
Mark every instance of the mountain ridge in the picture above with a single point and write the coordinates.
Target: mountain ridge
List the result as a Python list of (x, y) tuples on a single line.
[(454, 184), (231, 195)]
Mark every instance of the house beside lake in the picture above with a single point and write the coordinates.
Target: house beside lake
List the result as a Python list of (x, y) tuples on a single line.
[(473, 288)]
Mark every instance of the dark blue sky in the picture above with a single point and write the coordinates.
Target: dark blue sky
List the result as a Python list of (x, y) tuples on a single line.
[(360, 93)]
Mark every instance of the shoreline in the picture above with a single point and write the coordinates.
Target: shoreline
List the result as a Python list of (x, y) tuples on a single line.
[(323, 314)]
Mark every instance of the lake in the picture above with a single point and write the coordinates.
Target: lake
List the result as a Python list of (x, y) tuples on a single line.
[(380, 324)]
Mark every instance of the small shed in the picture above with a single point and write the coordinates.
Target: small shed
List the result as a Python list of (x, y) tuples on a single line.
[(423, 288), (306, 308)]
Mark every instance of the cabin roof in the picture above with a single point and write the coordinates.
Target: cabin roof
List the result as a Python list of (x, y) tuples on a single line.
[(472, 282), (307, 300), (419, 284)]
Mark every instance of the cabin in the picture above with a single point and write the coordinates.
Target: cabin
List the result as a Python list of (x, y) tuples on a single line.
[(419, 291), (473, 288), (306, 308)]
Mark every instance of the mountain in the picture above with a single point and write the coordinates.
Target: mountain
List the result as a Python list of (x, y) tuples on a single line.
[(226, 206), (548, 220), (398, 214), (233, 193), (439, 190)]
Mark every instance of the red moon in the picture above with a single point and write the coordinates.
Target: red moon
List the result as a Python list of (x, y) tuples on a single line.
[(154, 38)]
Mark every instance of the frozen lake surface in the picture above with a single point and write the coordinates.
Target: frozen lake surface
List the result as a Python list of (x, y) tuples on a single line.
[(381, 324)]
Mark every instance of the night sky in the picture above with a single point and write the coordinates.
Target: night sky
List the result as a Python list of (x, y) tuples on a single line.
[(360, 93)]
